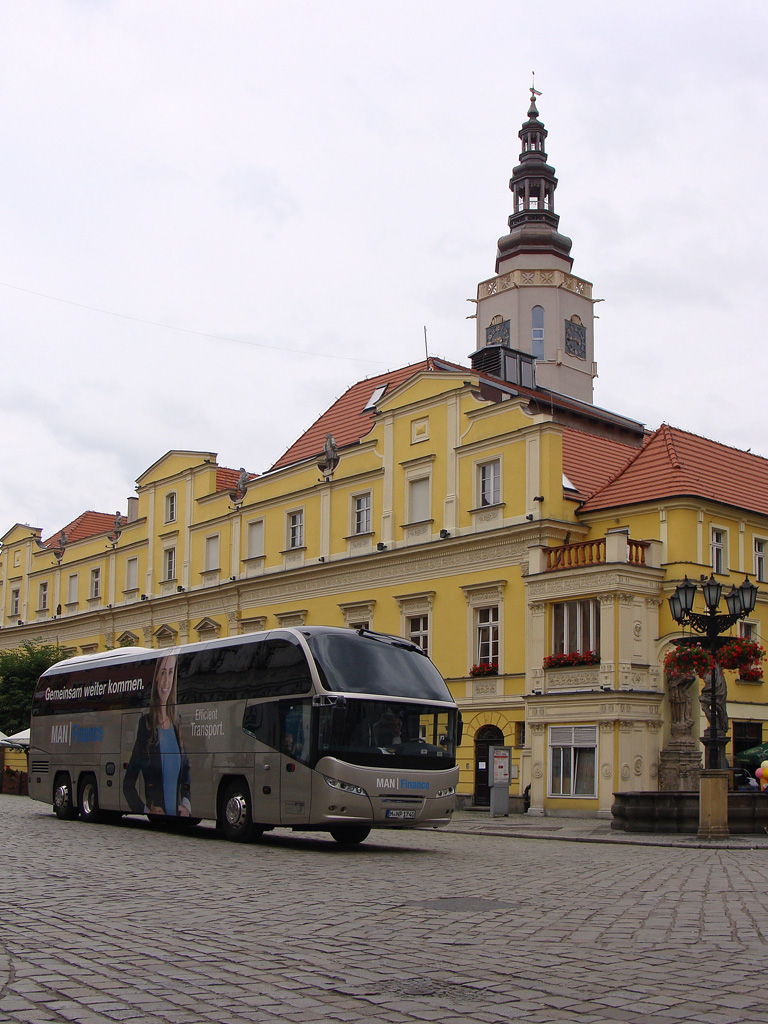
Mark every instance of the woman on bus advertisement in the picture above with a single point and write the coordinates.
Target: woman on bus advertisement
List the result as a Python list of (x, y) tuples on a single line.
[(158, 753)]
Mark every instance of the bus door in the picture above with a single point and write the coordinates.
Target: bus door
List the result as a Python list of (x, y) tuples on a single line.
[(296, 755), (129, 778)]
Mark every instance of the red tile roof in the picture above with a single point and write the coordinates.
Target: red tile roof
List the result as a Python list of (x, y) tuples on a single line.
[(346, 420), (676, 463), (227, 479), (590, 461), (87, 524)]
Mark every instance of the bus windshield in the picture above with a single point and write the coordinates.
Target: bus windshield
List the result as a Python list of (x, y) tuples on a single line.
[(387, 734), (351, 663)]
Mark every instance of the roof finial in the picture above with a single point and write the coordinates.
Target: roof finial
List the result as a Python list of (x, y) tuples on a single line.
[(533, 112)]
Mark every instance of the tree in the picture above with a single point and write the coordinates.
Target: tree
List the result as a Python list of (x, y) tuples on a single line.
[(20, 669)]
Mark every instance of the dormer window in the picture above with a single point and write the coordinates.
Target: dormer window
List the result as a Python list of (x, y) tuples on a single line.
[(370, 405)]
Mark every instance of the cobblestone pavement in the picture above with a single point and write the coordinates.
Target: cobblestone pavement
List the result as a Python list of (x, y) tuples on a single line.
[(474, 924)]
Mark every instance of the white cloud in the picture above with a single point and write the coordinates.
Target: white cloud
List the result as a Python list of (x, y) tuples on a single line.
[(323, 181)]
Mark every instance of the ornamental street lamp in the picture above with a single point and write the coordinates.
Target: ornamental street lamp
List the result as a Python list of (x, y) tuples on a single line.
[(740, 602)]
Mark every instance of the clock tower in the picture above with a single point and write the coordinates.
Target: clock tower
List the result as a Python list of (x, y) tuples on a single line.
[(535, 317)]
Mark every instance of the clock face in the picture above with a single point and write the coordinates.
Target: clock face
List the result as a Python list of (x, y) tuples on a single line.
[(497, 334), (575, 339)]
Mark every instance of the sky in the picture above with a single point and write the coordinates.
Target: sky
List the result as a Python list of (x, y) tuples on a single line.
[(216, 217)]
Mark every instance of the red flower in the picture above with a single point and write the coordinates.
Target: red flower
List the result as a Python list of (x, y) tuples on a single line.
[(484, 668), (573, 658)]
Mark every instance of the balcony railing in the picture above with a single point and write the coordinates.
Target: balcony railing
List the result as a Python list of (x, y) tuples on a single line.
[(591, 552)]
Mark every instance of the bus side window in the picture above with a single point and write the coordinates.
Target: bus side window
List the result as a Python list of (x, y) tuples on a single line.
[(262, 721), (285, 668), (296, 717)]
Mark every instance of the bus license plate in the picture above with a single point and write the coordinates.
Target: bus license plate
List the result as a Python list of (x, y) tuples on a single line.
[(401, 814)]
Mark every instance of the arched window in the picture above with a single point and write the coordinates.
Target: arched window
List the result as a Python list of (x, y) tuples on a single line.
[(537, 332)]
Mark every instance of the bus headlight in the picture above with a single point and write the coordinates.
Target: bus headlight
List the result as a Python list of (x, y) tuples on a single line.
[(345, 787), (448, 791)]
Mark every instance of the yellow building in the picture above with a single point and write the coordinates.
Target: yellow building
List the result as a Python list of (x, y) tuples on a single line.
[(489, 512)]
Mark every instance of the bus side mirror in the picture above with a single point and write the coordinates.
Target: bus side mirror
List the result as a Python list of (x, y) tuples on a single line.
[(459, 729)]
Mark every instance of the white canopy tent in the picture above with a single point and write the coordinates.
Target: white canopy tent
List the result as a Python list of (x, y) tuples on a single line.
[(19, 739)]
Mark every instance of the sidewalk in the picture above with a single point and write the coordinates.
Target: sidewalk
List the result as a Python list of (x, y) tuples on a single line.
[(589, 830)]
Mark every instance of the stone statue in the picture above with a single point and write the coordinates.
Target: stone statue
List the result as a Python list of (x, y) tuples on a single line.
[(680, 761), (680, 701), (330, 457), (242, 482)]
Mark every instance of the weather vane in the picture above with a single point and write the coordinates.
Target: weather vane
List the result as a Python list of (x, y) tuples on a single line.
[(534, 90)]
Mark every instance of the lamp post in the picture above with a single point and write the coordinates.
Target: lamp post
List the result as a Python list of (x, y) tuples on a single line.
[(740, 602)]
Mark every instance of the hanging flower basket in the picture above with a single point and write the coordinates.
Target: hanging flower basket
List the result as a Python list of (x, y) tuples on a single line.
[(740, 652), (484, 668), (684, 661), (574, 658)]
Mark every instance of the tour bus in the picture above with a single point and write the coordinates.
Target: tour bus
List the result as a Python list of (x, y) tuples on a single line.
[(310, 728)]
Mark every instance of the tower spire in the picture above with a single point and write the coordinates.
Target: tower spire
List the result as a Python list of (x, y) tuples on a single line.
[(533, 223)]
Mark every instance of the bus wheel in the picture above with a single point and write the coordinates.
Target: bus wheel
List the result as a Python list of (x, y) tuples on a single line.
[(88, 801), (350, 835), (63, 804), (236, 822)]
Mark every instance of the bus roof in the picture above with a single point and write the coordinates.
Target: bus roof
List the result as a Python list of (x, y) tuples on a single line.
[(145, 653)]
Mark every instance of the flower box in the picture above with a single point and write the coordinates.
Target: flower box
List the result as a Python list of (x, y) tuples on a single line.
[(750, 674), (740, 652), (572, 659), (484, 668)]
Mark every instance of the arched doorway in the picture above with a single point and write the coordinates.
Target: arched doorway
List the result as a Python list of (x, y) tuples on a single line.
[(485, 737)]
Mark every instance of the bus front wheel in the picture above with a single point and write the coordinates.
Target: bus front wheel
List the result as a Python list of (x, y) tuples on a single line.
[(350, 835), (88, 800), (63, 804), (236, 821)]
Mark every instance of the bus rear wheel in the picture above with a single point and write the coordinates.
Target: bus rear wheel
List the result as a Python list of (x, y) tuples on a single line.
[(63, 804), (350, 835), (236, 821), (88, 799)]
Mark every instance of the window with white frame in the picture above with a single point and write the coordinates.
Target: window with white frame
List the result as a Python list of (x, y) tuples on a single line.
[(132, 574), (211, 555), (747, 630), (418, 631), (576, 626), (72, 588), (418, 500), (169, 564), (361, 513), (296, 529), (42, 597), (170, 507), (15, 601), (95, 587), (717, 547), (489, 483), (760, 560), (572, 758), (487, 635), (255, 539)]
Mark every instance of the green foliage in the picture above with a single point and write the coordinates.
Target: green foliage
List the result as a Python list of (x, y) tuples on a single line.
[(20, 669)]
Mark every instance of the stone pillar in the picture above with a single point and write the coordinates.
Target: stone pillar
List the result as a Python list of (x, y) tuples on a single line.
[(538, 769), (606, 768), (713, 803)]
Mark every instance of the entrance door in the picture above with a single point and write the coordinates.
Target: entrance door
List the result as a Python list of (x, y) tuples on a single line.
[(487, 736)]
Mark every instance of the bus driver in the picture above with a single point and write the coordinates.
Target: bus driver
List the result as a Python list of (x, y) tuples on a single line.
[(158, 753)]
